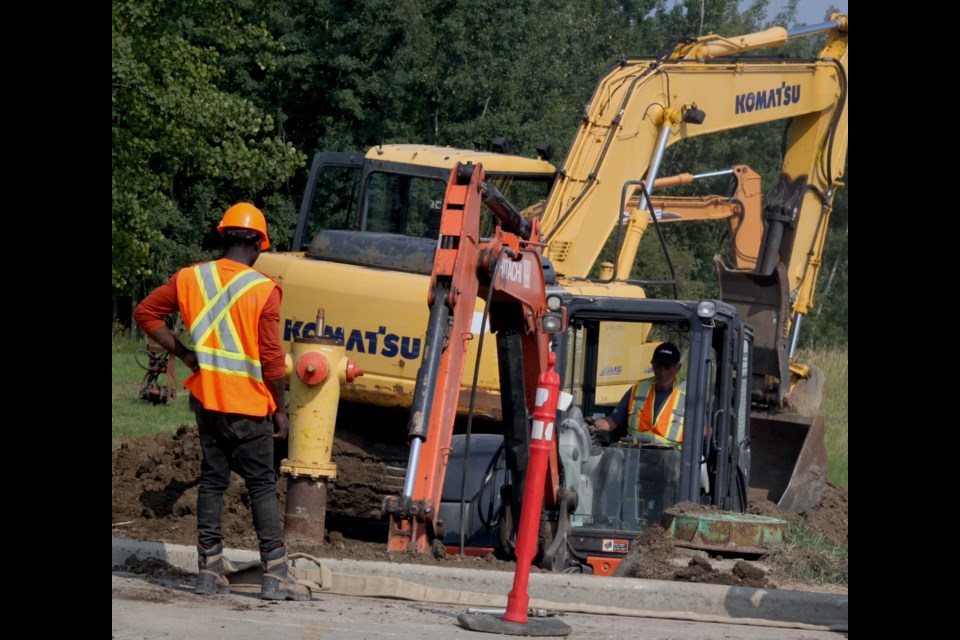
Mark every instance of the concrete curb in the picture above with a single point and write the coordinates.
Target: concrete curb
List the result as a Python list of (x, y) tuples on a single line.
[(777, 605)]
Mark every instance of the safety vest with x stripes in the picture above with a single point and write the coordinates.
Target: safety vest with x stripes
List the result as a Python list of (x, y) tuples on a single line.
[(221, 303), (667, 426)]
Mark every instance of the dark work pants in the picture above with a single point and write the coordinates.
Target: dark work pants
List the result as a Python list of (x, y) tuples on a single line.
[(245, 445)]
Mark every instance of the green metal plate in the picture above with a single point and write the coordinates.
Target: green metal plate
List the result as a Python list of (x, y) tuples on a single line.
[(723, 530)]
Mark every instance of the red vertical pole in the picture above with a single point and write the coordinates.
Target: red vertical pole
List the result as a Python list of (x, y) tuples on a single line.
[(541, 440)]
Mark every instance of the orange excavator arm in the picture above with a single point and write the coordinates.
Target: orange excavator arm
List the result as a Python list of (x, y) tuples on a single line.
[(507, 271), (743, 209)]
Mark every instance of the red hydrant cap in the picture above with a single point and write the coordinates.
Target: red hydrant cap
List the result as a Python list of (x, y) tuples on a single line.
[(312, 368), (353, 371)]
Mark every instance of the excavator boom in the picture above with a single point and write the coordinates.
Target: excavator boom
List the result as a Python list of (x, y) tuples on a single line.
[(643, 106), (507, 271)]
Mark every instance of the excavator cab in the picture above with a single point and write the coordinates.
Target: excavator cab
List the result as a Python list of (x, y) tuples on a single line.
[(623, 487), (398, 190), (610, 492)]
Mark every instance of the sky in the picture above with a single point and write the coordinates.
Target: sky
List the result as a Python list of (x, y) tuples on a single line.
[(810, 11)]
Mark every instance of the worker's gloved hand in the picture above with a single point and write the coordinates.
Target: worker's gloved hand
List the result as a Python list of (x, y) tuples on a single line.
[(590, 420)]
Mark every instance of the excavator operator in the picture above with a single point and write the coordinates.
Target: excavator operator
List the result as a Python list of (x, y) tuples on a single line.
[(651, 408), (649, 414)]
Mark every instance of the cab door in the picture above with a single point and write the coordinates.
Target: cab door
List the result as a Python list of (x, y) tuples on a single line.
[(727, 443)]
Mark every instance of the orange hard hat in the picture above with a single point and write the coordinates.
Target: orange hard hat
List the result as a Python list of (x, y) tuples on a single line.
[(244, 215)]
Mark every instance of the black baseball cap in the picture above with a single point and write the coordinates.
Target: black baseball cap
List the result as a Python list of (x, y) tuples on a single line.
[(666, 354)]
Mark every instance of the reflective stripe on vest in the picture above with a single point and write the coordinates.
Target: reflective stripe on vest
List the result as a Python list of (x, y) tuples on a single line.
[(215, 318), (668, 426)]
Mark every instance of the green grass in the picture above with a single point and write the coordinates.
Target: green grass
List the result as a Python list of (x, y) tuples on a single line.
[(809, 557), (833, 363), (133, 416)]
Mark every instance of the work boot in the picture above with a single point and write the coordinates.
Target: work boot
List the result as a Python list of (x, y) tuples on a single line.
[(210, 578), (277, 583)]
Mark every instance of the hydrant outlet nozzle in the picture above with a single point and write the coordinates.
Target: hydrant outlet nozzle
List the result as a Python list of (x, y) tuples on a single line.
[(312, 368), (352, 371)]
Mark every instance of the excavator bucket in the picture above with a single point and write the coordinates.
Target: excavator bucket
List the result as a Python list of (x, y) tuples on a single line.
[(788, 460), (763, 303), (788, 451)]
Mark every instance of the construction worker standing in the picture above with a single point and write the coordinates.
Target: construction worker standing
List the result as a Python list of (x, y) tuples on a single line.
[(233, 314)]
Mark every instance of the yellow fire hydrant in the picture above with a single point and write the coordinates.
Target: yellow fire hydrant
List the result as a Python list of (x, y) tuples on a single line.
[(314, 396)]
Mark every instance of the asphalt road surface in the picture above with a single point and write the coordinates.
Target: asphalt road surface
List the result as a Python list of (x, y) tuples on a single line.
[(147, 608)]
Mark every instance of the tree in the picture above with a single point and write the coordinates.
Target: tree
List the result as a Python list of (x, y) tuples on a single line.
[(217, 102), (184, 149)]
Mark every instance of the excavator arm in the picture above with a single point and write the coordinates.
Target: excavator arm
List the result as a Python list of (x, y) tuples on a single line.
[(743, 209), (705, 86), (643, 106), (507, 271)]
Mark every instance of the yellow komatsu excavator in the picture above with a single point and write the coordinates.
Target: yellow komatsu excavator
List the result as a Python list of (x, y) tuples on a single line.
[(369, 224)]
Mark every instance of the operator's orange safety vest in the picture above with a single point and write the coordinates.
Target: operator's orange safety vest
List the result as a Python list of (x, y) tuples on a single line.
[(667, 427), (221, 303)]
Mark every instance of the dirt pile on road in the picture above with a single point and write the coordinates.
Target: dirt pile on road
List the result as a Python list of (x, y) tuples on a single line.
[(155, 494)]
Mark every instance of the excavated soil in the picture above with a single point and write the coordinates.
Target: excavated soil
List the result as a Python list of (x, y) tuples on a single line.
[(155, 494)]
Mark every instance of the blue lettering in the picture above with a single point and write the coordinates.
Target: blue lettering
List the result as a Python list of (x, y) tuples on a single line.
[(766, 99), (355, 343), (291, 329), (390, 348), (335, 333), (359, 340), (405, 349), (372, 338), (761, 100)]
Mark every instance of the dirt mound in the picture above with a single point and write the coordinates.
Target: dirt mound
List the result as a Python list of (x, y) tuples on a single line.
[(155, 488), (155, 495), (654, 556)]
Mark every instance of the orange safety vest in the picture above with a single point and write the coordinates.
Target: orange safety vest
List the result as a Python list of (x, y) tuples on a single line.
[(221, 303), (667, 427)]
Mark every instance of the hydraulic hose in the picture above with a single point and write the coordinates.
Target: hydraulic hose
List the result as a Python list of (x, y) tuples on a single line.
[(473, 396)]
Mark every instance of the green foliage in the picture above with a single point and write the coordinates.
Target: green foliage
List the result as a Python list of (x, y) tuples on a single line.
[(810, 557), (217, 102), (184, 149), (696, 18), (433, 72), (833, 361)]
